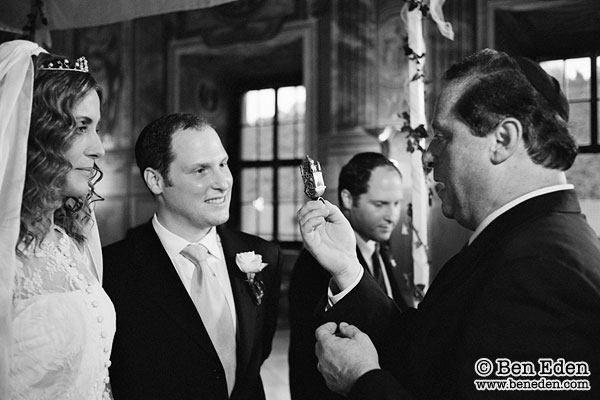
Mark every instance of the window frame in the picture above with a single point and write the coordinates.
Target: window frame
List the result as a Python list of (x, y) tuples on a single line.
[(238, 165), (592, 55)]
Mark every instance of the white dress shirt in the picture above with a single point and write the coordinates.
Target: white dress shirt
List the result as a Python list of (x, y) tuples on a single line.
[(367, 248), (174, 244)]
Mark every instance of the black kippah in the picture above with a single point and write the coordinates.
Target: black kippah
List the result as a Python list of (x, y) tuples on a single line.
[(546, 85)]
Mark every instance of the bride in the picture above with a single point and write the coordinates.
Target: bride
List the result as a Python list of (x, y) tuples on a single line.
[(62, 321)]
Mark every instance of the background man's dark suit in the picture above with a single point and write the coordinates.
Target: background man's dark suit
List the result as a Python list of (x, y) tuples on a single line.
[(527, 287), (370, 195), (308, 283), (160, 333)]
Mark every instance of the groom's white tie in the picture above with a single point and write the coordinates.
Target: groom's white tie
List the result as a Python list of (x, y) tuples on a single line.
[(210, 301)]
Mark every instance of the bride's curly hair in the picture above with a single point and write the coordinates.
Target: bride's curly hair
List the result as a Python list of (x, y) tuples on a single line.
[(51, 133)]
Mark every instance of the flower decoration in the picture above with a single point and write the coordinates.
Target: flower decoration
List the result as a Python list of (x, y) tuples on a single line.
[(251, 264)]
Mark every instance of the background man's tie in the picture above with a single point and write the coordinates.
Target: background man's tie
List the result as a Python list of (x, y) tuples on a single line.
[(377, 272), (210, 301)]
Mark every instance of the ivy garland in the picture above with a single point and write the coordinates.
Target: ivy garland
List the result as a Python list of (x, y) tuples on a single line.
[(413, 135), (412, 56)]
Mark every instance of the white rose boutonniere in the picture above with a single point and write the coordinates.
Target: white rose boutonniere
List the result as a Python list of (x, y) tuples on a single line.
[(251, 264)]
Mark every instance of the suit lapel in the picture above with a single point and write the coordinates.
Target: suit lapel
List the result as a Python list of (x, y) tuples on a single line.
[(161, 285), (245, 308)]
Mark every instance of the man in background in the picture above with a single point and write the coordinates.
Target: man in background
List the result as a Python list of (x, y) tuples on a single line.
[(370, 196), (196, 302)]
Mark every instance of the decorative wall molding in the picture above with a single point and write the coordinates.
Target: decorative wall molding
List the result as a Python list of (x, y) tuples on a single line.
[(305, 31)]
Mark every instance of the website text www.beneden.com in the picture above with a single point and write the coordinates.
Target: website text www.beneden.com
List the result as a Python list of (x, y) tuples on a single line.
[(547, 374), (532, 384)]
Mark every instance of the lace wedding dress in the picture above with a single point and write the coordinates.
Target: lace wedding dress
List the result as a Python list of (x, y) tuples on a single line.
[(63, 324)]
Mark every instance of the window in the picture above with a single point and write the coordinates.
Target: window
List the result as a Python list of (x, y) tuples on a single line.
[(579, 80), (273, 144)]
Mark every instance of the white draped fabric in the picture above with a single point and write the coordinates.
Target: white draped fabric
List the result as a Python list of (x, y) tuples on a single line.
[(67, 14), (435, 9), (16, 89)]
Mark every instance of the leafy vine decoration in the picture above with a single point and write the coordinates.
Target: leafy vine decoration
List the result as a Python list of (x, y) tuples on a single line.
[(414, 137)]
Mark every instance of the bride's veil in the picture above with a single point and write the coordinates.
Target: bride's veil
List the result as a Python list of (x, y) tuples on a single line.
[(16, 89)]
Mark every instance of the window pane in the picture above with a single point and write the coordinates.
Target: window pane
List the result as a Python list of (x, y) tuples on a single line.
[(598, 98), (250, 108), (290, 184), (257, 182), (258, 110), (291, 140), (257, 201), (584, 175), (266, 105), (249, 138), (577, 76), (258, 106), (265, 143), (258, 223), (286, 140), (290, 199), (291, 103), (288, 223), (579, 122), (598, 73), (556, 69), (257, 142), (300, 140)]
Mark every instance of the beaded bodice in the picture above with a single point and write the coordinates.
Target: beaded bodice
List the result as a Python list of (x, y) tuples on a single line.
[(63, 324)]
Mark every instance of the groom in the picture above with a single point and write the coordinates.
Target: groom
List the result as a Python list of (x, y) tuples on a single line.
[(191, 322)]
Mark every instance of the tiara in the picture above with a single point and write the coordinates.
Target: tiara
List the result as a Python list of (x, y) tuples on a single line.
[(81, 65)]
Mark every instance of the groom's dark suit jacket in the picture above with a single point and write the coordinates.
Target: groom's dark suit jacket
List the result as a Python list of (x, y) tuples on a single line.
[(308, 284), (528, 287), (161, 349)]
